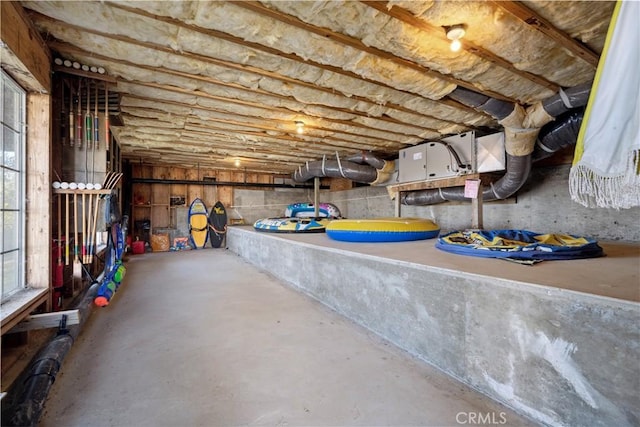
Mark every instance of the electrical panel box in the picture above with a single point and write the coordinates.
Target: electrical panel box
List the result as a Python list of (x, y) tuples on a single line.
[(412, 164), (491, 153)]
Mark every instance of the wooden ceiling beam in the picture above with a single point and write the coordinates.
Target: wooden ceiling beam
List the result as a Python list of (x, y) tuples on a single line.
[(407, 17), (359, 45), (534, 20)]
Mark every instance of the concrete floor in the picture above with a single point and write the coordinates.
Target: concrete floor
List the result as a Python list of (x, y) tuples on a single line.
[(204, 338)]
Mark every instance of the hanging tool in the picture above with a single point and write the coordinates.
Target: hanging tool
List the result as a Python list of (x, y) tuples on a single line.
[(84, 231), (77, 265), (79, 116), (72, 125), (66, 236), (96, 136), (89, 236), (106, 116), (63, 118), (96, 122), (88, 121), (96, 209), (59, 266)]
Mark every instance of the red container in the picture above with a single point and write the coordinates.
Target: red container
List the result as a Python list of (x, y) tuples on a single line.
[(138, 247)]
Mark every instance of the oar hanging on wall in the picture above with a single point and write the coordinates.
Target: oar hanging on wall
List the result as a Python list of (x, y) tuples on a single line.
[(88, 121), (72, 125), (63, 117), (79, 116), (96, 135), (106, 116)]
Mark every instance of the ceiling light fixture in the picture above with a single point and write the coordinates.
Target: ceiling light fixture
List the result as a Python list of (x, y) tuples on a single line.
[(455, 33), (299, 126), (237, 163)]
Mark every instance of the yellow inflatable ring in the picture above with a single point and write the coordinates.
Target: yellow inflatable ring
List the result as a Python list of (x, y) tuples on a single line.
[(382, 229)]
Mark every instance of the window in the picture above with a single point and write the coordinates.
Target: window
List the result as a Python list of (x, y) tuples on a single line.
[(12, 197)]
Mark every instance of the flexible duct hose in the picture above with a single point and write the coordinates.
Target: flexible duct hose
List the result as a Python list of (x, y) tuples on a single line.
[(368, 158), (335, 169), (558, 135), (522, 128), (522, 131)]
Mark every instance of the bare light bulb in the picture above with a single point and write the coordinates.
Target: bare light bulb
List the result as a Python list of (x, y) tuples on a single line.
[(237, 163), (455, 45), (300, 127)]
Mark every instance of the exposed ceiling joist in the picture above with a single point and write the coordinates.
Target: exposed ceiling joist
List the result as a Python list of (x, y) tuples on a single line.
[(438, 32), (529, 17), (357, 44), (228, 80)]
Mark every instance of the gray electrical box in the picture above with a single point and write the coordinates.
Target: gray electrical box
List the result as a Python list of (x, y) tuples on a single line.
[(412, 164)]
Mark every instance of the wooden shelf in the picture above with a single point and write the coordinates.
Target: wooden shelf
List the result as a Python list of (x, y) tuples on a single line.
[(78, 191), (455, 181)]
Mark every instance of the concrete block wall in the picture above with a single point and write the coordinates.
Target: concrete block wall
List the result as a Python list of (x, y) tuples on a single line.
[(559, 357), (542, 205), (252, 205)]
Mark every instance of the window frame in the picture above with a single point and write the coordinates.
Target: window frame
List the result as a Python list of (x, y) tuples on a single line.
[(21, 190)]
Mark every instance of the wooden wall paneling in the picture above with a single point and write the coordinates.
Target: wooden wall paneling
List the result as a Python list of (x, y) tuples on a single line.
[(141, 171), (339, 184), (192, 174), (177, 173), (194, 192), (38, 194), (161, 172), (225, 193), (160, 217), (210, 195)]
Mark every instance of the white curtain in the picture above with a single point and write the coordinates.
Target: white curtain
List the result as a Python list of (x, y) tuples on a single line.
[(605, 171)]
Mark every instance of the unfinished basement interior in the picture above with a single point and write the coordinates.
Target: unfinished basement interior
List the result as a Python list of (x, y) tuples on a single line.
[(320, 213)]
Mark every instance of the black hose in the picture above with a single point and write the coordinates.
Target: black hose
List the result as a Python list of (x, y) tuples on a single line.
[(29, 394)]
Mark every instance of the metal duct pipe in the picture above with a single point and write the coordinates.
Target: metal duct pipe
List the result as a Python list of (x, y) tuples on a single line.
[(31, 392)]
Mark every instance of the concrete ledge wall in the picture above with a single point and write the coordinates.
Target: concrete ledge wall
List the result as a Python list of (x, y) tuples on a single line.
[(559, 357)]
